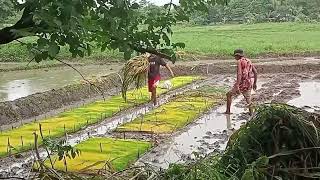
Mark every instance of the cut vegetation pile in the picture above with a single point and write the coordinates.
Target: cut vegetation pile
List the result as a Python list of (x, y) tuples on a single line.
[(280, 142), (22, 138)]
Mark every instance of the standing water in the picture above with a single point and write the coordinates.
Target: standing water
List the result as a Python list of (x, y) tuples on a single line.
[(17, 84), (208, 134), (310, 96)]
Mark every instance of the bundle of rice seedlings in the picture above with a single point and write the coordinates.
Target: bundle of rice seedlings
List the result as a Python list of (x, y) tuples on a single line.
[(134, 72)]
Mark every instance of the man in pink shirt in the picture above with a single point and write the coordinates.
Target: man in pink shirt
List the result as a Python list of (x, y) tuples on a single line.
[(244, 84)]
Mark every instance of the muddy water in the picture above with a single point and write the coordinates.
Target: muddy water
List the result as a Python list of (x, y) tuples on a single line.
[(17, 84), (310, 96), (209, 134)]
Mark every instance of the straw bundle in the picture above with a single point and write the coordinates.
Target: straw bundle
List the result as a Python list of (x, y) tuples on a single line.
[(134, 71)]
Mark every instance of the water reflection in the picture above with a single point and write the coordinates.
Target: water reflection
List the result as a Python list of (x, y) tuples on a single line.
[(14, 85), (18, 88), (310, 96), (207, 135)]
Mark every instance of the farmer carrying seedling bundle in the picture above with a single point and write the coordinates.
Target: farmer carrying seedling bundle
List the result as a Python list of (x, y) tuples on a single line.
[(138, 68), (154, 75), (244, 84)]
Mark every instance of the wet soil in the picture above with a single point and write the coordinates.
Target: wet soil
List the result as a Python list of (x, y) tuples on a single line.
[(210, 133), (103, 129), (40, 104)]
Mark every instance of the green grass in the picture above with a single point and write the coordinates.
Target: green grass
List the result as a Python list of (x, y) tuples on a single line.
[(120, 153), (220, 41), (15, 52), (256, 39), (74, 120), (177, 113)]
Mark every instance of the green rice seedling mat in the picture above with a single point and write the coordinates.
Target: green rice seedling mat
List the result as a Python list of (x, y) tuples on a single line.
[(177, 113), (22, 138), (101, 153)]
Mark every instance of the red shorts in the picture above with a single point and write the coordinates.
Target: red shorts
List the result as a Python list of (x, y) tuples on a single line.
[(153, 82)]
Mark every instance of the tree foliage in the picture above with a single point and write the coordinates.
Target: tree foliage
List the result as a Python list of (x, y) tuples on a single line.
[(256, 11), (109, 24), (6, 9)]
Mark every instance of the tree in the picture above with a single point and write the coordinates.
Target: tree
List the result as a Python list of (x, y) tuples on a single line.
[(6, 9), (112, 24)]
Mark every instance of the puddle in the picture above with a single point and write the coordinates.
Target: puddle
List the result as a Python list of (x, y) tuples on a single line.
[(310, 96)]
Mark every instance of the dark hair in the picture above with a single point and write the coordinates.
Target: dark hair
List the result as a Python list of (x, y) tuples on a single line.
[(238, 52)]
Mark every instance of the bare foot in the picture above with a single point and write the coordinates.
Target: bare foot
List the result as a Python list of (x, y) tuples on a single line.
[(228, 113)]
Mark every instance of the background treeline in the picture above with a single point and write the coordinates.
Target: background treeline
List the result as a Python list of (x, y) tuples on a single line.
[(254, 11), (257, 11)]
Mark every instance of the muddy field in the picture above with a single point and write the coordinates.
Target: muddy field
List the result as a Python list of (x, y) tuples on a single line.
[(278, 82)]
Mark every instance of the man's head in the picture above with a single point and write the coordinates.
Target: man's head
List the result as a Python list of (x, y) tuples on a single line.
[(238, 54)]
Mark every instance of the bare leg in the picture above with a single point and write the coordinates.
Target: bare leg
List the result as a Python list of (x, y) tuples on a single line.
[(248, 100), (229, 101), (154, 96)]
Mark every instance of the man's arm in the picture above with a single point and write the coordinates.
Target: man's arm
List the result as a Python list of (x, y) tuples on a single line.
[(255, 73), (168, 67), (163, 63)]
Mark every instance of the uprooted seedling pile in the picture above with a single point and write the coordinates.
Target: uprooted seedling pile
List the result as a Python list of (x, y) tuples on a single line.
[(280, 142), (135, 71)]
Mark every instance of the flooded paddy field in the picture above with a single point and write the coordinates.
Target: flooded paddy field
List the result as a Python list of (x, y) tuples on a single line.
[(18, 84), (206, 133)]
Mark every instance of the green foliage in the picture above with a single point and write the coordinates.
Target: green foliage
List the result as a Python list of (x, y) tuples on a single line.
[(248, 11), (219, 41), (114, 25), (61, 148), (6, 9), (201, 169)]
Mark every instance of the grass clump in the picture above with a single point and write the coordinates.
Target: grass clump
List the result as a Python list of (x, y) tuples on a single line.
[(177, 113), (101, 153), (280, 142), (22, 138)]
